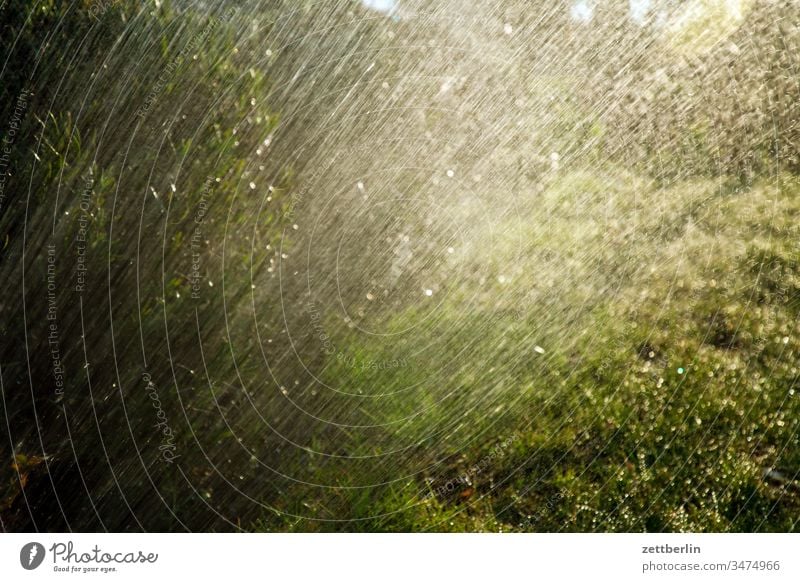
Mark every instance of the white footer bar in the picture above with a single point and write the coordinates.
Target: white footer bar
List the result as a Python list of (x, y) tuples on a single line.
[(408, 557)]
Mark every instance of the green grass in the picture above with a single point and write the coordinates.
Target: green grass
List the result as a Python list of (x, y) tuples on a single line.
[(663, 412)]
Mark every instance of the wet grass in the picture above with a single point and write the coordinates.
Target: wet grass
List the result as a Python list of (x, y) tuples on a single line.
[(674, 408)]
